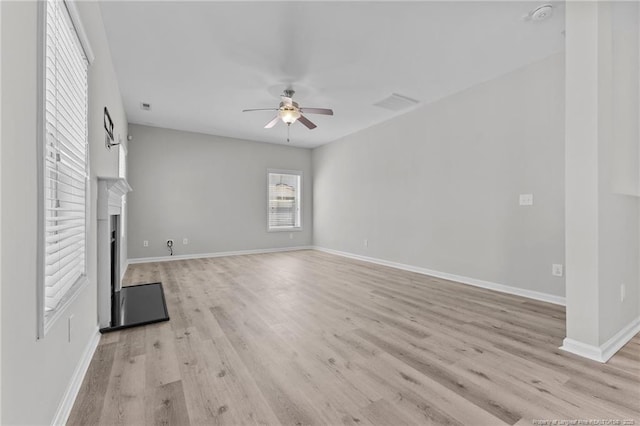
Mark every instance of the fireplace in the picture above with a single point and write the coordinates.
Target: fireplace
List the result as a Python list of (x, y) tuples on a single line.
[(120, 307)]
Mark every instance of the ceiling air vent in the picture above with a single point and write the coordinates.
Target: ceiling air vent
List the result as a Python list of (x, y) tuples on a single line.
[(396, 102), (145, 106), (540, 13)]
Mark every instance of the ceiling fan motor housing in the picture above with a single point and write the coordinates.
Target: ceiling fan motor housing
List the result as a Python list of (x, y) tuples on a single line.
[(289, 112)]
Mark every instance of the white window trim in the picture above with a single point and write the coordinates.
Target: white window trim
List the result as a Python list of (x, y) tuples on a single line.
[(45, 322), (288, 172), (82, 34)]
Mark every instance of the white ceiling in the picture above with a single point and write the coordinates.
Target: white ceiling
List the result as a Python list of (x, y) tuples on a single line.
[(201, 63)]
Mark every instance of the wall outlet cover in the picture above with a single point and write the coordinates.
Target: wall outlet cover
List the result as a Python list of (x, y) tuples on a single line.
[(557, 270)]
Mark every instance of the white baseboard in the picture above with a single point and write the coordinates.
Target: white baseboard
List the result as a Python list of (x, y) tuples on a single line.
[(66, 404), (582, 349), (218, 254), (544, 297), (605, 351)]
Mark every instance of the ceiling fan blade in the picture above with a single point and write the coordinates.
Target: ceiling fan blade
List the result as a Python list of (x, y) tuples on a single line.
[(260, 109), (304, 120), (325, 111), (272, 122), (286, 100)]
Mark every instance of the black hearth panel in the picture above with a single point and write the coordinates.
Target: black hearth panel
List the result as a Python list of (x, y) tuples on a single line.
[(137, 305)]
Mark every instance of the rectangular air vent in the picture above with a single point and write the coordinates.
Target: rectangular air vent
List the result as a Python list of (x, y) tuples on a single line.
[(145, 106), (397, 102)]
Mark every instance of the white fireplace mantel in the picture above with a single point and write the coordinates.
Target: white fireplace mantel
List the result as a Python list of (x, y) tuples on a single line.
[(110, 192)]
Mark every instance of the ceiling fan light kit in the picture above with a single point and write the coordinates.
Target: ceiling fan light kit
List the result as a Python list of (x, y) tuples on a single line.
[(289, 112)]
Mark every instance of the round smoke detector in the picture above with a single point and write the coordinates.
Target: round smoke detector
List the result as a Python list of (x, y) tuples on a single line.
[(541, 13)]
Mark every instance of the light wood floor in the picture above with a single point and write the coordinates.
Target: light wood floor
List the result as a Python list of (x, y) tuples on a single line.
[(306, 337)]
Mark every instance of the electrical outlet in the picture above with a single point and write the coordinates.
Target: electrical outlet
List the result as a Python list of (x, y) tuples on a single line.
[(365, 242), (145, 243), (526, 199), (556, 270), (623, 292), (185, 241), (169, 243)]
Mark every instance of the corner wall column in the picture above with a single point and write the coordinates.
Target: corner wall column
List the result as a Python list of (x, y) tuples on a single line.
[(581, 173), (602, 184)]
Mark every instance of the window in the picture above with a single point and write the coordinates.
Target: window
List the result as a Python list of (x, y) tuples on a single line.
[(284, 199), (64, 168)]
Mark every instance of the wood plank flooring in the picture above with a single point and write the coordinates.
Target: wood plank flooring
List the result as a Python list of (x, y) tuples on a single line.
[(301, 338)]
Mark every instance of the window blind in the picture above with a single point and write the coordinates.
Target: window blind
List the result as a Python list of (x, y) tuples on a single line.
[(284, 200), (65, 156)]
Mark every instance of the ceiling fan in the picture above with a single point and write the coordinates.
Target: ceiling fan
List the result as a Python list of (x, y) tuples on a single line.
[(290, 112)]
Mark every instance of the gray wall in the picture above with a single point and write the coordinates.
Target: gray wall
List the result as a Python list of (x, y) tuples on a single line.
[(0, 219), (438, 187), (619, 213), (209, 189), (35, 374), (619, 217), (603, 194)]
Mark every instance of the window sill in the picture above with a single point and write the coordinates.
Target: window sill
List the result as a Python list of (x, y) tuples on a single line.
[(296, 229)]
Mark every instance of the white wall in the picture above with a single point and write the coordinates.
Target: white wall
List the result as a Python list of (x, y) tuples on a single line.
[(209, 189), (0, 215), (106, 92), (582, 173), (438, 188), (602, 195), (619, 219), (36, 374), (123, 215)]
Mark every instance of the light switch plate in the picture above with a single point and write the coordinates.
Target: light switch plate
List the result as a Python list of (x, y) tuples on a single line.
[(526, 199)]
